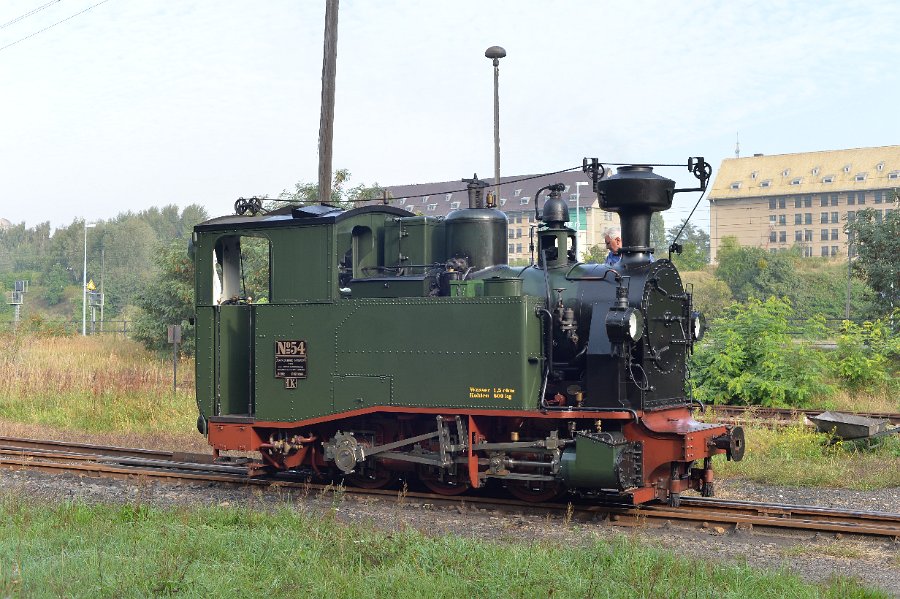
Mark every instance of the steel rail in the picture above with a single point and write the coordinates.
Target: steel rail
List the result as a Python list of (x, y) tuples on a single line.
[(778, 414), (694, 510), (15, 443)]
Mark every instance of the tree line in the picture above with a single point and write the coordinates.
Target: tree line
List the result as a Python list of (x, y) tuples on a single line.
[(122, 252)]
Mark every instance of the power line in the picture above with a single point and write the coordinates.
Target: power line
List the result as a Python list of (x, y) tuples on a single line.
[(28, 14), (52, 26)]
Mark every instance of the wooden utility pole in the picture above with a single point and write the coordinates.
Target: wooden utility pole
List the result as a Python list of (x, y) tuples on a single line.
[(326, 122)]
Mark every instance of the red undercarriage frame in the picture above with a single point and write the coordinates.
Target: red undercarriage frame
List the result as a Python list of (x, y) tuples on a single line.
[(671, 439)]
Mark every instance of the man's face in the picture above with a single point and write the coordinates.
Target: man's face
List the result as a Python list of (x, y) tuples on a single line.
[(613, 243)]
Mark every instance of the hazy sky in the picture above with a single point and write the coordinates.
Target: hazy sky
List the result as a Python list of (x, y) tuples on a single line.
[(136, 103)]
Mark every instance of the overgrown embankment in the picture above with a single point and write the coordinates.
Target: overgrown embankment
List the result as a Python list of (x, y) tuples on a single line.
[(93, 384), (799, 456)]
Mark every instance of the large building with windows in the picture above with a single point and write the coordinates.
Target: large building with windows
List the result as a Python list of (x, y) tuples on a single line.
[(784, 200), (517, 201)]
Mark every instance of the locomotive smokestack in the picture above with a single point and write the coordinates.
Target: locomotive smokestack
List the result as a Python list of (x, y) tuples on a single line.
[(635, 192)]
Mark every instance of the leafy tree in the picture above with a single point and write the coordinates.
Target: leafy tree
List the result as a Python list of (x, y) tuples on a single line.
[(255, 268), (868, 355), (55, 280), (748, 357), (52, 260), (596, 254), (877, 242), (821, 288), (129, 247), (814, 286), (753, 272), (341, 195), (168, 299), (695, 246), (658, 234), (711, 295)]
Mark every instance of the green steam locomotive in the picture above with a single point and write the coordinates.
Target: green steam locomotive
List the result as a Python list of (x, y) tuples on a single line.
[(394, 345)]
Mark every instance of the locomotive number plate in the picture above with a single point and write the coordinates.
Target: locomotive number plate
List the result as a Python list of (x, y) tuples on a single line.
[(290, 359)]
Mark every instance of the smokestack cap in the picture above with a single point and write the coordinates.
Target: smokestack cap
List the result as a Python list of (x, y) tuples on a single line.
[(635, 192), (635, 189)]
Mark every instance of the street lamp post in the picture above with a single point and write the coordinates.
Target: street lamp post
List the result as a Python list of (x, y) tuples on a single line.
[(84, 282), (495, 53), (578, 185), (849, 271)]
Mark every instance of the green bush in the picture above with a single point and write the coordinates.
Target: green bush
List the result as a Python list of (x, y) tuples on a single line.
[(167, 299), (55, 280), (39, 324), (867, 354), (749, 357)]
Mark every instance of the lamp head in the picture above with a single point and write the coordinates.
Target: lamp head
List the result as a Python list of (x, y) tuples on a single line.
[(495, 53)]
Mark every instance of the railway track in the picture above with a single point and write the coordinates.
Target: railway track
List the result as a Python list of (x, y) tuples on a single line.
[(119, 462), (785, 414)]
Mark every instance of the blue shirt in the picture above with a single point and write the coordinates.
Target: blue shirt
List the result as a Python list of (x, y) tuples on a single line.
[(612, 259)]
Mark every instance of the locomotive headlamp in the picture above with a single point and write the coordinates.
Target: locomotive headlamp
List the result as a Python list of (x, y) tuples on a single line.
[(624, 325), (698, 326)]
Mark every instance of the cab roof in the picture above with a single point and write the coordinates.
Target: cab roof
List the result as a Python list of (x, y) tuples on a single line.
[(294, 216)]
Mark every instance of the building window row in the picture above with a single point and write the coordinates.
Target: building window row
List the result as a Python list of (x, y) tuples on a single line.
[(805, 235), (832, 199), (825, 251), (828, 199)]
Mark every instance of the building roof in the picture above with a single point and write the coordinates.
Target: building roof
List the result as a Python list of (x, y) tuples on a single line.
[(857, 169), (438, 199)]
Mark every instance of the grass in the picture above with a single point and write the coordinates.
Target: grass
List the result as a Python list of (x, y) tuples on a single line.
[(79, 550), (93, 384), (853, 401), (799, 456)]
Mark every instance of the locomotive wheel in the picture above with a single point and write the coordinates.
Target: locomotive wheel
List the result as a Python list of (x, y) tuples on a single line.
[(451, 485), (535, 492), (445, 488), (380, 479), (374, 474)]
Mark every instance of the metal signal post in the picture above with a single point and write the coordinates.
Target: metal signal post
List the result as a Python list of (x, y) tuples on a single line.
[(84, 288)]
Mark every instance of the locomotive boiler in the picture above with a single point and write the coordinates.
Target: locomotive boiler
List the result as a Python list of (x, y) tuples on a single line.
[(393, 345)]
